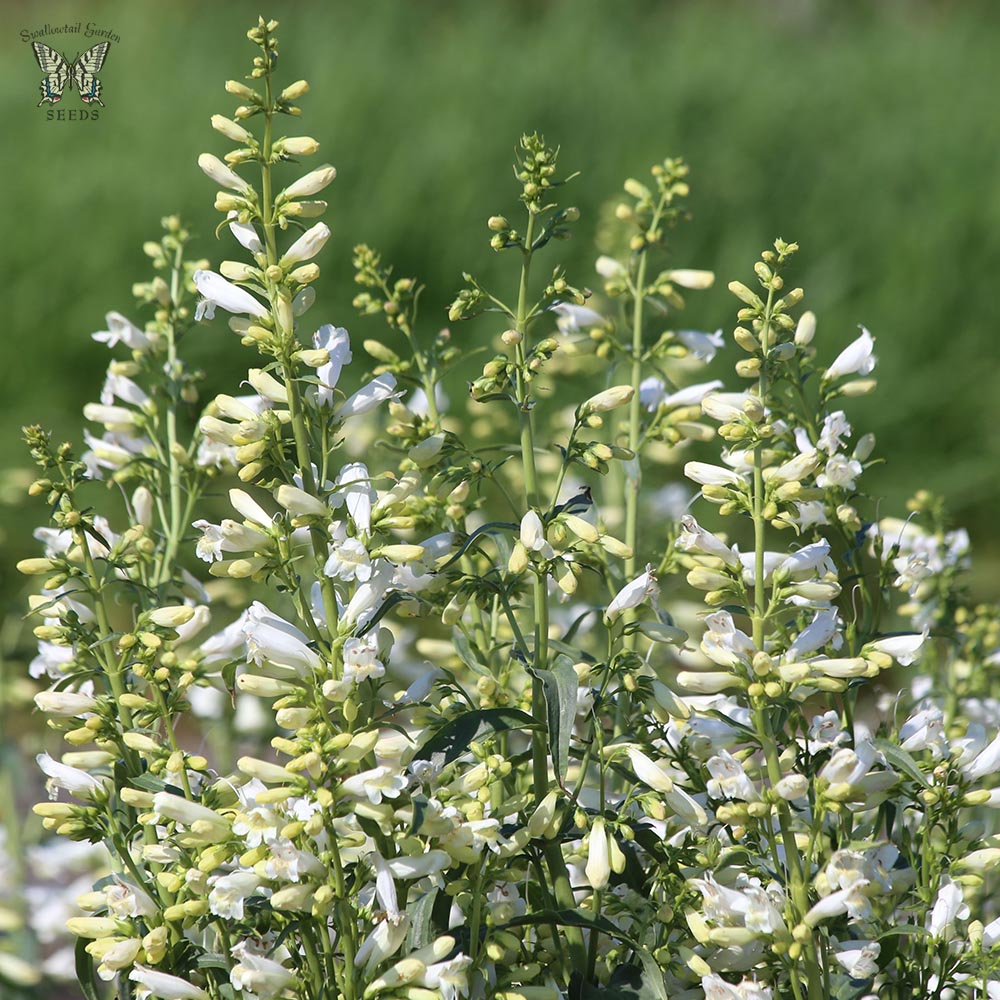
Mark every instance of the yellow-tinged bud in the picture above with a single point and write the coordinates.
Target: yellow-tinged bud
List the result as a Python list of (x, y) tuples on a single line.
[(294, 91)]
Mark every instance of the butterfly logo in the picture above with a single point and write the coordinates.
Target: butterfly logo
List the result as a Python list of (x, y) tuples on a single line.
[(82, 73)]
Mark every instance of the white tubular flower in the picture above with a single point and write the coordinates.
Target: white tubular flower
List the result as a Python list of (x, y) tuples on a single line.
[(820, 631), (859, 959), (374, 784), (361, 660), (337, 342), (924, 731), (76, 782), (348, 558), (120, 954), (702, 346), (311, 183), (230, 892), (598, 867), (836, 431), (271, 639), (727, 406), (574, 318), (298, 503), (370, 396), (216, 291), (708, 681), (245, 234), (252, 511), (806, 561), (419, 865), (839, 471), (692, 395), (188, 813), (694, 538), (222, 175), (723, 643), (643, 588), (684, 807), (792, 787), (533, 535), (712, 475), (608, 268), (949, 907), (852, 900), (986, 762), (307, 245), (117, 419), (729, 780), (229, 536), (164, 986), (121, 331), (904, 649), (855, 359), (450, 979), (65, 704), (267, 386), (123, 388), (795, 469), (354, 489), (259, 975), (607, 400), (382, 943)]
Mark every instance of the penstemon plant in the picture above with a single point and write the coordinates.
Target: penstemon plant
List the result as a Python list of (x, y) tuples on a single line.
[(452, 742)]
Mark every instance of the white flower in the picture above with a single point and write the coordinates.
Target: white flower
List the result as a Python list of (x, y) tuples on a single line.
[(694, 538), (245, 233), (692, 395), (835, 431), (607, 267), (949, 907), (354, 489), (216, 291), (858, 958), (307, 245), (598, 868), (159, 984), (361, 660), (65, 703), (229, 893), (729, 780), (449, 978), (533, 535), (368, 397), (711, 475), (573, 318), (76, 782), (820, 631), (703, 346), (257, 825), (256, 974), (855, 359), (348, 558), (271, 639), (723, 643), (987, 761), (222, 175), (925, 731), (337, 342), (374, 784), (904, 649), (121, 331), (311, 183), (839, 471), (638, 591), (825, 731)]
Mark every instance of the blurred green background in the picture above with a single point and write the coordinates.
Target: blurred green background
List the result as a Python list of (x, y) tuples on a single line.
[(866, 131)]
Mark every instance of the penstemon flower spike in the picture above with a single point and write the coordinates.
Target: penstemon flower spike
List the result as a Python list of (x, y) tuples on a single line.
[(460, 738)]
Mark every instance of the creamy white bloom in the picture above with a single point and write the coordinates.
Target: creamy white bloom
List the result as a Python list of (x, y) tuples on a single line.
[(221, 174), (361, 660), (859, 959), (307, 245), (702, 346), (121, 331), (370, 396), (354, 489), (836, 430), (374, 784), (643, 588), (65, 703), (450, 978), (723, 643), (598, 867), (72, 779), (257, 974), (573, 318), (855, 359), (216, 291), (904, 649), (310, 183), (230, 892), (337, 342), (840, 472), (729, 780), (924, 731), (271, 639), (949, 907), (245, 233), (692, 395), (164, 986), (711, 475), (694, 538)]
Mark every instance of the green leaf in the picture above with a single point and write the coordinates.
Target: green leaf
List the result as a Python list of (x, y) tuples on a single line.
[(900, 760), (486, 529), (454, 737), (422, 931), (468, 655), (85, 970), (559, 686)]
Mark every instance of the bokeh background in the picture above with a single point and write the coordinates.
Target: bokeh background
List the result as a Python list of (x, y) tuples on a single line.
[(866, 131)]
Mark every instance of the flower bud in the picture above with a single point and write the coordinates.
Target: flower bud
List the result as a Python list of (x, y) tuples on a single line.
[(173, 616), (609, 399), (294, 91)]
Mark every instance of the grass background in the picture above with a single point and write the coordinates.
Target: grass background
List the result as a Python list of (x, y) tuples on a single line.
[(865, 131)]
